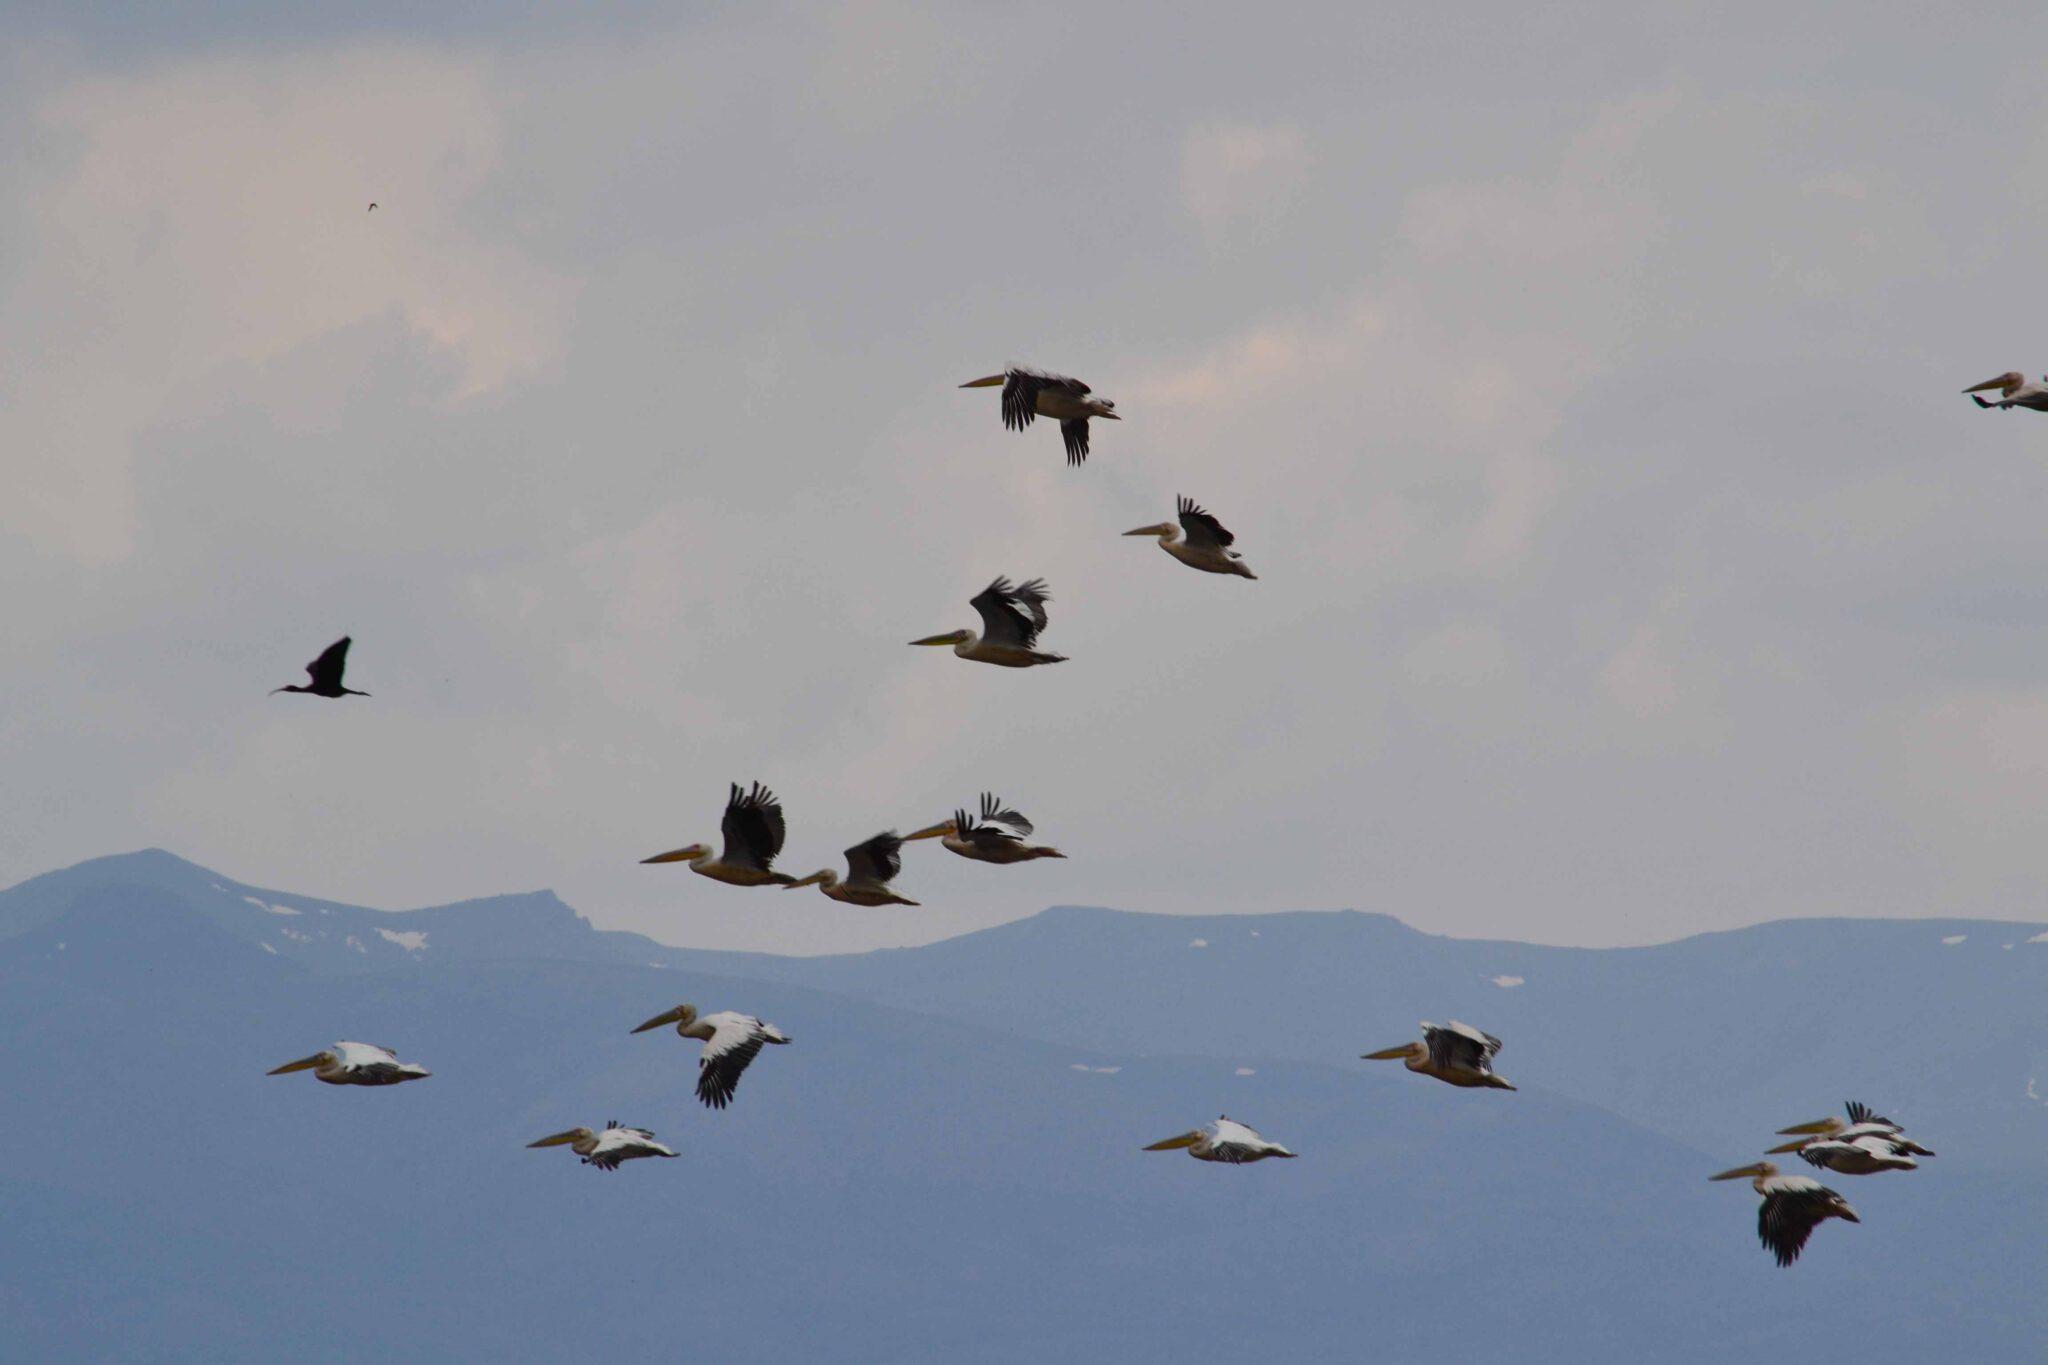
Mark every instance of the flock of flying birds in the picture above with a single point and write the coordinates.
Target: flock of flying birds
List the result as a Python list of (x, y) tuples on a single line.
[(1013, 616)]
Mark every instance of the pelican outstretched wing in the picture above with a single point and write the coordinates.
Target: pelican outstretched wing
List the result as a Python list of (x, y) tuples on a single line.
[(1074, 435), (1460, 1047), (1237, 1143), (1792, 1209), (993, 809), (1012, 614), (878, 860), (1021, 388), (736, 1039), (753, 827), (1201, 528)]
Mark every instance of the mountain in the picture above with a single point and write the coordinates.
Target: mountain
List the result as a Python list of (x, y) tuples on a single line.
[(927, 1172)]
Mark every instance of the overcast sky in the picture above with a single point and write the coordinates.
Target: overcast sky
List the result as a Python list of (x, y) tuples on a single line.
[(1581, 381)]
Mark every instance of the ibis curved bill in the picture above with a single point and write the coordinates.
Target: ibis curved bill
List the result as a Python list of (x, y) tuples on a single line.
[(1029, 394), (1225, 1140), (1794, 1205), (731, 1041), (355, 1064), (997, 837), (1199, 541), (753, 829), (607, 1149), (1456, 1054)]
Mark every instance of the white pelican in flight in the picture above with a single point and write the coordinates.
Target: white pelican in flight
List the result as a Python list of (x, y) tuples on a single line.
[(997, 838), (2015, 391), (1207, 544), (1456, 1053), (1794, 1205), (607, 1149), (870, 867), (1866, 1154), (730, 1042), (356, 1064), (1011, 617), (754, 830), (1029, 394), (1861, 1123), (1224, 1140)]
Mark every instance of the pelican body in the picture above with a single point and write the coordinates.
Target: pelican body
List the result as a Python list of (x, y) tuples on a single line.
[(1225, 1140), (1456, 1054), (731, 1041), (1794, 1205), (754, 830), (1860, 1124), (1199, 541), (870, 867), (998, 837), (2014, 390), (323, 675), (607, 1149), (1029, 394), (356, 1064), (1012, 615)]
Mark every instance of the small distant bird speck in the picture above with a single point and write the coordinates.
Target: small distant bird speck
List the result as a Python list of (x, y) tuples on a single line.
[(371, 209)]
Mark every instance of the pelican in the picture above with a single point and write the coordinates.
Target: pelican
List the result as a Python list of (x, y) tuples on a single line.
[(1861, 1123), (1029, 394), (997, 838), (1456, 1053), (356, 1064), (1011, 617), (1864, 1155), (324, 674), (754, 830), (1207, 546), (730, 1042), (1224, 1140), (607, 1149), (870, 867), (1794, 1205), (2015, 391)]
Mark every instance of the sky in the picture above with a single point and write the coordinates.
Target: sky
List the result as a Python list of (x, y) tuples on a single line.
[(1581, 381)]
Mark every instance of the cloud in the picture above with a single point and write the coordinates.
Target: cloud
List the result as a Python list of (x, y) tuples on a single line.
[(1231, 171)]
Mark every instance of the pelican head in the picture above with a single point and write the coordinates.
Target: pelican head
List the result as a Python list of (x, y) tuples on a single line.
[(1397, 1054), (682, 1016), (1102, 407), (1174, 1144), (568, 1139), (1165, 530), (2005, 383), (305, 1064), (681, 855), (938, 831), (1757, 1171), (951, 637), (1826, 1127), (824, 877)]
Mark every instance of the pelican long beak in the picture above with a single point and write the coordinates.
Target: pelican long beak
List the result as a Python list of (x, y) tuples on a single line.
[(303, 1064), (1846, 1212), (558, 1140), (1110, 415), (1386, 1054), (987, 383), (950, 637), (1161, 529), (677, 855), (1739, 1173), (942, 828), (815, 879), (1788, 1147), (1817, 1126), (1997, 383), (665, 1017), (1173, 1143)]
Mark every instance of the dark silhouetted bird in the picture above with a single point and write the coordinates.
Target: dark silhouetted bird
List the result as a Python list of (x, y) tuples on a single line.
[(325, 673)]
